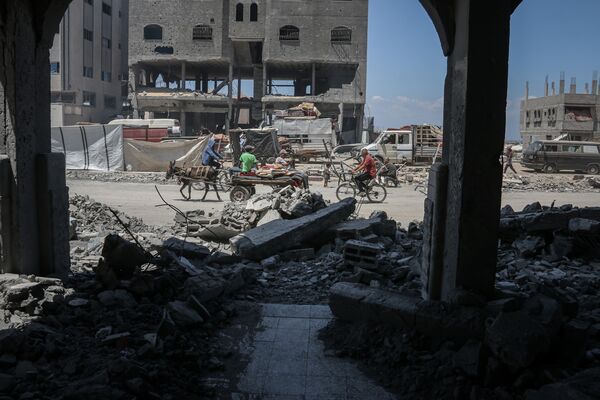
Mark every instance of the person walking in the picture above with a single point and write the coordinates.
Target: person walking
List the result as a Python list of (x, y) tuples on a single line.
[(369, 171), (509, 157)]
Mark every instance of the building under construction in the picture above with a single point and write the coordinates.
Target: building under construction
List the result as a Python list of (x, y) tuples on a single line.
[(570, 115), (217, 64)]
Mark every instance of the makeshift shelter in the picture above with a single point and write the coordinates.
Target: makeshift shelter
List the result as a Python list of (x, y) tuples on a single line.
[(102, 148), (90, 147), (264, 141), (149, 156)]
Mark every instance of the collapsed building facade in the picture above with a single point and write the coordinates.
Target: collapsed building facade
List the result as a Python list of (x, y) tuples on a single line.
[(576, 116), (194, 61)]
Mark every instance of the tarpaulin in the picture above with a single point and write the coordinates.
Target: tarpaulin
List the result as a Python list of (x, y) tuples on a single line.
[(265, 144), (148, 156), (91, 147)]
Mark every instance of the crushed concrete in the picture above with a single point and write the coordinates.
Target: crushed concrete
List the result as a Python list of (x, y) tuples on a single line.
[(235, 218)]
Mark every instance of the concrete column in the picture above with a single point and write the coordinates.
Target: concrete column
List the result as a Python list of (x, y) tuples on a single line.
[(229, 99), (264, 80), (204, 82), (183, 122), (313, 85), (134, 74), (466, 242), (33, 195), (183, 77)]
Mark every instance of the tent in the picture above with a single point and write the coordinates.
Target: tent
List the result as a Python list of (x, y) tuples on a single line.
[(90, 147), (102, 148), (150, 156)]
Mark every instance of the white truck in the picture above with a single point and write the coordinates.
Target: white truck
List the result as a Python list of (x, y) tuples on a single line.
[(411, 144)]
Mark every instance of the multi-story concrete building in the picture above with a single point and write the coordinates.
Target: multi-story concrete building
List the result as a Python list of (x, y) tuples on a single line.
[(222, 63), (575, 116), (88, 62)]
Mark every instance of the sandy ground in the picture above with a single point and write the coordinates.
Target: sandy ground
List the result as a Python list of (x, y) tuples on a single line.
[(404, 204)]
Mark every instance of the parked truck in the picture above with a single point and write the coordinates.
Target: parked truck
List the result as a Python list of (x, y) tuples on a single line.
[(412, 144)]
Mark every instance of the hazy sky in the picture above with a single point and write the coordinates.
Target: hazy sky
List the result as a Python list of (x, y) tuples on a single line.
[(406, 67)]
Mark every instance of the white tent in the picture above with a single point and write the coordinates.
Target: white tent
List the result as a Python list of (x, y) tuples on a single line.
[(90, 147)]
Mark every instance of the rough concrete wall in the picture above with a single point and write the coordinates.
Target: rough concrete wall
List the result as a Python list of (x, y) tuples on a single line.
[(247, 29), (26, 33), (316, 19), (177, 18)]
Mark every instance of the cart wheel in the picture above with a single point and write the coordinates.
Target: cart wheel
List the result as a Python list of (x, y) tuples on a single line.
[(345, 190), (376, 193), (224, 182), (198, 185), (239, 194)]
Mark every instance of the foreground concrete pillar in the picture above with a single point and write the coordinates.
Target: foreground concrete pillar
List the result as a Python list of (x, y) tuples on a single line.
[(462, 240), (34, 225)]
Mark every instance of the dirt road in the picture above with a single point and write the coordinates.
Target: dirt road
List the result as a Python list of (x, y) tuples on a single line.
[(403, 204)]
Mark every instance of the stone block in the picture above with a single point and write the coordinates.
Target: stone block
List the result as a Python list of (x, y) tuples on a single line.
[(361, 254)]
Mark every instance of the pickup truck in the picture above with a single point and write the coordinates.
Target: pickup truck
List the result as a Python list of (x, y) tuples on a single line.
[(412, 144)]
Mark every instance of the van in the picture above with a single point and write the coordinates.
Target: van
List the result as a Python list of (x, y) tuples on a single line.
[(411, 143), (395, 144), (560, 155)]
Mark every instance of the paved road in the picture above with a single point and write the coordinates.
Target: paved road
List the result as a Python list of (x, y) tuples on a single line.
[(403, 204)]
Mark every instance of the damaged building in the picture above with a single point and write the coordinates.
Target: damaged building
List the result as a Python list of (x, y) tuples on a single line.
[(571, 115), (219, 64)]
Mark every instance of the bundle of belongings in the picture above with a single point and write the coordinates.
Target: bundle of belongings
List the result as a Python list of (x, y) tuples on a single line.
[(304, 110)]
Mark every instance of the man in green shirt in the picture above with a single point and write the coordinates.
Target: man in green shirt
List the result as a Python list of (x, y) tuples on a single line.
[(248, 159)]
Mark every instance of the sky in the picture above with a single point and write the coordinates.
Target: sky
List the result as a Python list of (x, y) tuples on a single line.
[(406, 67)]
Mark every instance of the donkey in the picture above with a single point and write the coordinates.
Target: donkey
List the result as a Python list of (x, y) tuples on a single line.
[(185, 176)]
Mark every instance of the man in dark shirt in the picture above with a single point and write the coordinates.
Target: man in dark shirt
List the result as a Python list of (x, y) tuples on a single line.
[(369, 171)]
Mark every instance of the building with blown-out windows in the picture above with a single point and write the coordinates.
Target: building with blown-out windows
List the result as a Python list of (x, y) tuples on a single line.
[(568, 115), (217, 64)]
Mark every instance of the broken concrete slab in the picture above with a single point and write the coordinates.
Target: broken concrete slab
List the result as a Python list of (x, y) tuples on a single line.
[(357, 302), (270, 215), (298, 254), (584, 225), (183, 314), (529, 246), (278, 236), (186, 249)]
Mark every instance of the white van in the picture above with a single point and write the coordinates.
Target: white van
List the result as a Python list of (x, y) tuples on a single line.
[(395, 144)]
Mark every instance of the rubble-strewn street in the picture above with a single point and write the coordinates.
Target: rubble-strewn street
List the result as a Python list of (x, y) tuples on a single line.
[(144, 321)]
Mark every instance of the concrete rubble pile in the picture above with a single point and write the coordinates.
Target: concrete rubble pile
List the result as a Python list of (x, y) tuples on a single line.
[(302, 271), (140, 323), (120, 176), (537, 338), (235, 218), (550, 183)]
